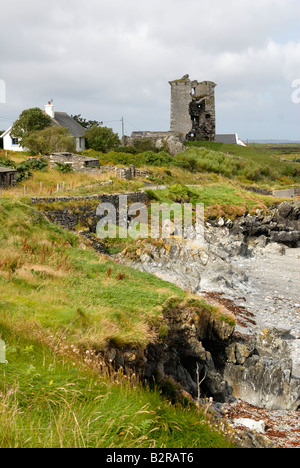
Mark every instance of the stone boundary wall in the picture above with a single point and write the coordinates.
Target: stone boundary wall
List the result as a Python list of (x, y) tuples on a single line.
[(79, 213), (284, 193), (125, 173), (133, 197), (88, 165), (297, 191)]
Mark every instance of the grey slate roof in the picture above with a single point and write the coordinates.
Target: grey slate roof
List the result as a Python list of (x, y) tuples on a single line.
[(227, 138), (63, 119), (7, 169)]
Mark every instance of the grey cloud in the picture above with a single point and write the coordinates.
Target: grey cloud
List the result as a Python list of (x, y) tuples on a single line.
[(104, 59)]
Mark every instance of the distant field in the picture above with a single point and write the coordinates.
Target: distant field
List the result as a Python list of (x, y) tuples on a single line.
[(280, 148)]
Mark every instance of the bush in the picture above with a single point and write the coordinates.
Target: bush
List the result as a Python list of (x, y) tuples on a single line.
[(24, 168), (24, 171), (64, 168), (182, 194), (102, 138), (155, 159), (145, 144), (49, 140), (151, 195)]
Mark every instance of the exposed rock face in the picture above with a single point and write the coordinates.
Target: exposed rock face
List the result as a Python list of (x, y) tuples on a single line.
[(194, 265), (201, 354), (173, 142), (193, 334), (193, 339), (283, 226), (260, 372), (257, 371)]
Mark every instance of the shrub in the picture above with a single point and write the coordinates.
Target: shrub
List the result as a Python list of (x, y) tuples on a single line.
[(64, 168), (49, 140), (102, 138), (151, 195), (182, 194), (155, 159), (145, 144)]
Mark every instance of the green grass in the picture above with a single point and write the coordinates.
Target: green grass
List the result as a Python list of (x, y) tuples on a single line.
[(221, 199), (51, 401), (247, 164), (46, 277)]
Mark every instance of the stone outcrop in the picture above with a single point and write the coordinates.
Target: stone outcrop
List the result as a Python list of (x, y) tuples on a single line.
[(260, 372), (193, 265), (190, 336), (282, 226), (198, 354), (172, 142), (257, 370)]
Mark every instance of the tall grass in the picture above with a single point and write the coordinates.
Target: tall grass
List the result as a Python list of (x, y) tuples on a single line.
[(47, 276), (56, 400), (53, 182)]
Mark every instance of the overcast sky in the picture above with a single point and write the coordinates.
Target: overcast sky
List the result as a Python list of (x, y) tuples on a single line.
[(105, 59)]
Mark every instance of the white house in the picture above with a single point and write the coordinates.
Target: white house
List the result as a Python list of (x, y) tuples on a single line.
[(61, 119), (9, 143)]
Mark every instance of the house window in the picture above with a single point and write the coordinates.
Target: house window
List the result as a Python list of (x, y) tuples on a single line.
[(14, 141)]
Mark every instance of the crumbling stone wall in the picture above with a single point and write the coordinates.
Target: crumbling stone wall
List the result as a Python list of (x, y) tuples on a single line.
[(84, 164), (76, 161), (80, 213)]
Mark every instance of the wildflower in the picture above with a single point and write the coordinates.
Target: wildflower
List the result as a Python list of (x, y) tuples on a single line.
[(51, 383)]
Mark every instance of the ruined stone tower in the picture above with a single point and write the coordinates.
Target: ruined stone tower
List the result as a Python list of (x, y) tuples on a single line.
[(193, 109)]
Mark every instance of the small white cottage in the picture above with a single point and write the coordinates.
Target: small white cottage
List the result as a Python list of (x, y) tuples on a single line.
[(61, 119)]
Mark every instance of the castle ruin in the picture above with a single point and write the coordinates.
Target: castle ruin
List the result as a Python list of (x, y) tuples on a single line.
[(193, 116), (193, 109)]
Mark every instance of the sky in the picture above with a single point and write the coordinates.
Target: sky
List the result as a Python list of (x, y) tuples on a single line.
[(108, 59)]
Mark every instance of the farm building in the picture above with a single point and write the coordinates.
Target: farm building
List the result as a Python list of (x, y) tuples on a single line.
[(8, 177)]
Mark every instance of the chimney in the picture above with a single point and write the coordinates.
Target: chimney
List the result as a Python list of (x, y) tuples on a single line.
[(49, 109)]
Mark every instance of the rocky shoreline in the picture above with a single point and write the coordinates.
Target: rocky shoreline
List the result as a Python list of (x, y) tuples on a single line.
[(250, 268), (238, 265)]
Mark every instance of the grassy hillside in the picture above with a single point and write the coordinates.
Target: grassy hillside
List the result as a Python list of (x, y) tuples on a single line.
[(220, 199), (50, 277), (49, 400), (59, 304), (247, 164)]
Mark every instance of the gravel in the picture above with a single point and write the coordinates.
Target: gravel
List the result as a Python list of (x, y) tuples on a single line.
[(272, 298)]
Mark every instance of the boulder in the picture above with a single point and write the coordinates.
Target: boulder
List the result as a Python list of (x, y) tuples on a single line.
[(257, 426)]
